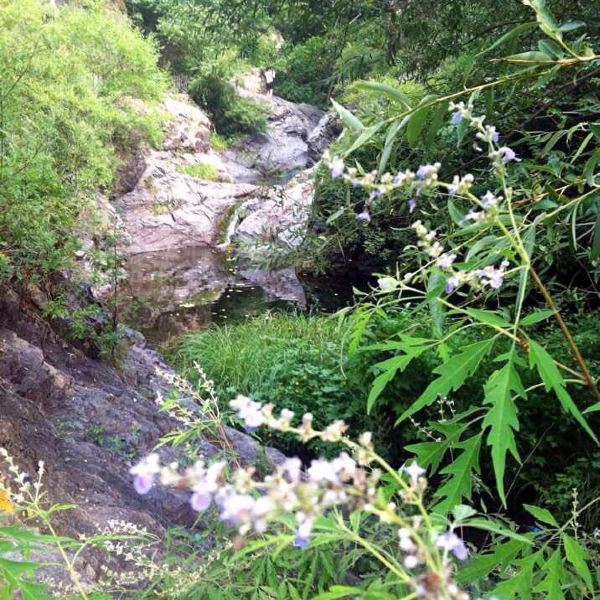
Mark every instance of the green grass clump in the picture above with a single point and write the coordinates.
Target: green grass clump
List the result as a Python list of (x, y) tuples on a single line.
[(200, 171), (292, 360)]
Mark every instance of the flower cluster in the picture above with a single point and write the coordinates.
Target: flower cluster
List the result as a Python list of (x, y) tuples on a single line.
[(426, 177), (347, 483), (489, 276)]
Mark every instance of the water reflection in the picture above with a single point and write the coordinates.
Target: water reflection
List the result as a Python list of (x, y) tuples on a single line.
[(169, 294)]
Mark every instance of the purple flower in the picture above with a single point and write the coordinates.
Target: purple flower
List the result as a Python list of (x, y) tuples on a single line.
[(508, 154), (363, 216), (452, 543), (200, 501), (374, 194), (143, 483), (412, 204), (457, 117), (303, 533), (451, 284), (495, 137), (145, 473)]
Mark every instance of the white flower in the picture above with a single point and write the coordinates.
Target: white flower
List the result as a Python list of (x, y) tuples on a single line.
[(414, 471), (337, 168), (446, 261)]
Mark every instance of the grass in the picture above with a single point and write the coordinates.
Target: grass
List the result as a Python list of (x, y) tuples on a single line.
[(239, 355), (293, 361), (200, 171)]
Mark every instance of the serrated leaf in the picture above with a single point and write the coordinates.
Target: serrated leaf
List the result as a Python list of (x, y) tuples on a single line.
[(431, 454), (460, 483), (391, 366), (480, 566), (553, 380), (577, 556), (541, 514), (519, 585), (502, 419), (351, 121), (452, 375), (551, 583)]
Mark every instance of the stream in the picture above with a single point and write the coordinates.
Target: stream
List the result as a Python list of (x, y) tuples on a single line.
[(181, 231)]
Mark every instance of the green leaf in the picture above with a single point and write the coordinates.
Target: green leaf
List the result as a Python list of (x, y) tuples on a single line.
[(571, 26), (595, 251), (551, 584), (577, 556), (510, 35), (364, 137), (391, 366), (438, 119), (502, 419), (590, 166), (389, 145), (481, 565), (339, 591), (431, 454), (416, 122), (488, 317), (460, 483), (452, 375), (519, 585), (487, 524), (553, 380), (391, 91), (536, 317), (351, 121), (532, 56), (541, 514)]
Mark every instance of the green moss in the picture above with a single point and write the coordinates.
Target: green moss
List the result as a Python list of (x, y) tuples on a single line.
[(200, 171)]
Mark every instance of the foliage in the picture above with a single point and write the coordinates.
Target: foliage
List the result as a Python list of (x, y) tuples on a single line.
[(291, 360), (200, 171), (72, 81)]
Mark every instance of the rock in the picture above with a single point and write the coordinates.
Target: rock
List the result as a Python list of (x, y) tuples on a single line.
[(190, 127), (88, 422), (327, 130), (280, 216)]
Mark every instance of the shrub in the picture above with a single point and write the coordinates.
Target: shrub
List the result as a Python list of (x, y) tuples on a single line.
[(212, 88), (75, 84)]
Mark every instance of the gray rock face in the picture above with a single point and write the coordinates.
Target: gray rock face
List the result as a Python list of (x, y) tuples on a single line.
[(281, 215), (88, 421)]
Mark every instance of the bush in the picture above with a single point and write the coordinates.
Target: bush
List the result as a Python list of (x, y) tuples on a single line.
[(76, 84), (212, 89)]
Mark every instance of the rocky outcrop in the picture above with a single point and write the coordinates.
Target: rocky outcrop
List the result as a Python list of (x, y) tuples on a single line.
[(321, 137), (87, 422), (280, 215)]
